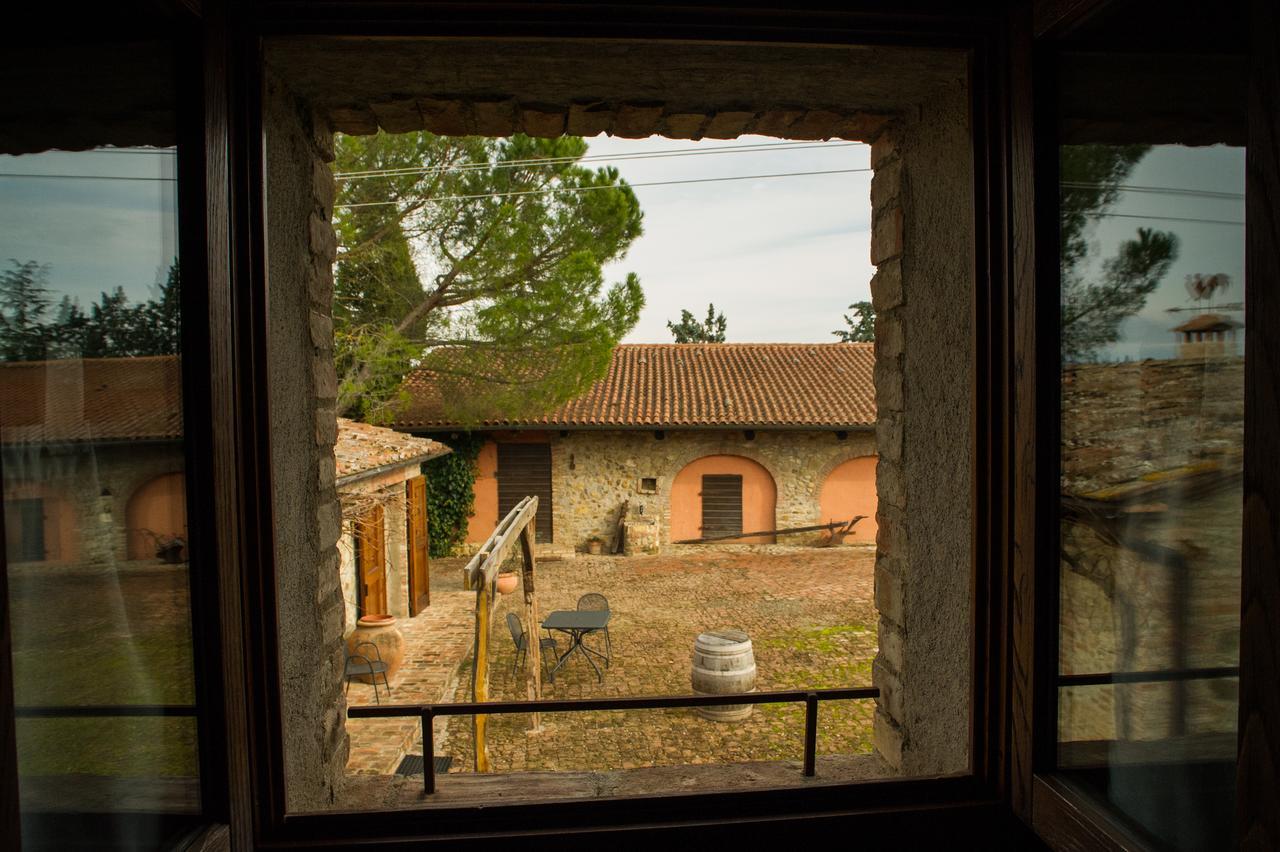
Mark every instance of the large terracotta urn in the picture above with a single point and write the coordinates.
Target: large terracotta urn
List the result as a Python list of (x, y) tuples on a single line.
[(381, 630)]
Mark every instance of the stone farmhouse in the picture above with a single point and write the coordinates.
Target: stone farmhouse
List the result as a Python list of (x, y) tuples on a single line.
[(63, 423), (383, 547), (692, 440)]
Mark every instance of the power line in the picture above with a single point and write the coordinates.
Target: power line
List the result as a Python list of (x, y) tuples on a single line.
[(83, 177), (567, 189), (1163, 218), (629, 155), (1159, 190)]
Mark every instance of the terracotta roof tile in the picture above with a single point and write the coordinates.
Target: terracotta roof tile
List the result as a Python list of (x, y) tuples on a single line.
[(137, 399), (362, 448), (672, 385), (1208, 322), (91, 399)]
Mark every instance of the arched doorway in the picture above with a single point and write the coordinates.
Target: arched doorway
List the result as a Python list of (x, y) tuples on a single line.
[(157, 512), (850, 490), (719, 494)]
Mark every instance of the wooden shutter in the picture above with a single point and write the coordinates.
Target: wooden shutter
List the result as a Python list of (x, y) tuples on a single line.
[(371, 560), (419, 577), (721, 504), (524, 470)]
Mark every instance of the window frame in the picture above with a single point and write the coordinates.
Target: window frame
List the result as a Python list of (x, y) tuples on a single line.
[(1061, 814), (222, 233), (970, 801)]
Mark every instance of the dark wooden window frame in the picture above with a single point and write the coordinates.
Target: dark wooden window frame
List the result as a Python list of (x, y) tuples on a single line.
[(972, 803), (223, 237), (1058, 811)]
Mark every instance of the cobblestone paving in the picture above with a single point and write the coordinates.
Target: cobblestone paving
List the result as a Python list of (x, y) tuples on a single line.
[(436, 641), (808, 611)]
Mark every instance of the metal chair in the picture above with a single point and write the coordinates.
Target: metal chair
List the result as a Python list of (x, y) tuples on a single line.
[(596, 602), (516, 626), (358, 665)]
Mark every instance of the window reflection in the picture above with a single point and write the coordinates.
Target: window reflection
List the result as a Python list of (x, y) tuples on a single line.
[(94, 491), (1152, 272)]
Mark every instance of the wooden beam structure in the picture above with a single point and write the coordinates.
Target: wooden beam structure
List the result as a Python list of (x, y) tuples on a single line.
[(479, 575), (483, 567)]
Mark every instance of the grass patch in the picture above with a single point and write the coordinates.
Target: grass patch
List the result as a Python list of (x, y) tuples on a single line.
[(122, 747)]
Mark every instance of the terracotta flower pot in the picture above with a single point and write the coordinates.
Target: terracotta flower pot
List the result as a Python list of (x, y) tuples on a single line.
[(507, 583), (595, 547), (381, 630)]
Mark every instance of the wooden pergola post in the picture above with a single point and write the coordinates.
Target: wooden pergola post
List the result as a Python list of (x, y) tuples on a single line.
[(534, 639), (480, 574)]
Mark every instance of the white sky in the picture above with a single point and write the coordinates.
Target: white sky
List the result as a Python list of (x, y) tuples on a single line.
[(782, 258), (95, 235), (1203, 247)]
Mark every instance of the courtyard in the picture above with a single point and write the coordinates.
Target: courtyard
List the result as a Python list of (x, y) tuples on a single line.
[(809, 612)]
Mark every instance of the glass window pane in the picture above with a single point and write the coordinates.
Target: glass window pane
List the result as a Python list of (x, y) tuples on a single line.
[(1152, 325), (91, 432)]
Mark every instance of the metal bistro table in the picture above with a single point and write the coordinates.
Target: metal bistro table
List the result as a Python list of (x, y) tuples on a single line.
[(577, 623)]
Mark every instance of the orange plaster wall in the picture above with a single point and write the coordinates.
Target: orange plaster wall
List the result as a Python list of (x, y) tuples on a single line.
[(160, 506), (484, 518), (850, 490), (60, 542), (759, 497)]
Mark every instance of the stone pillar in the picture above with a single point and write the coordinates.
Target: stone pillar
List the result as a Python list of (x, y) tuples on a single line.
[(922, 246), (891, 536), (303, 391)]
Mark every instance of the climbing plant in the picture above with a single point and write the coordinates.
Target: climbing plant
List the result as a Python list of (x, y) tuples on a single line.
[(451, 493)]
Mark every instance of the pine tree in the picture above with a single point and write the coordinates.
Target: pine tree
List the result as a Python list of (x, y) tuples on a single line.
[(689, 330)]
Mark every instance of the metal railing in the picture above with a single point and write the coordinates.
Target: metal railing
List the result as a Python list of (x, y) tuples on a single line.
[(427, 713), (94, 711), (1155, 676)]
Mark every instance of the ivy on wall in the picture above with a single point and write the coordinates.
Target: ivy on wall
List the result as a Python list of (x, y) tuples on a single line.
[(451, 495)]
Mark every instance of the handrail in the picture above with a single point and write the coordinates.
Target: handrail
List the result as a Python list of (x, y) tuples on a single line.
[(427, 712), (1165, 676), (92, 711)]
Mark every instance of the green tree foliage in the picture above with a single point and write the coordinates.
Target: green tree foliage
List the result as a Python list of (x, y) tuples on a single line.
[(451, 494), (24, 304), (482, 260), (32, 328), (862, 324), (1097, 301), (689, 330)]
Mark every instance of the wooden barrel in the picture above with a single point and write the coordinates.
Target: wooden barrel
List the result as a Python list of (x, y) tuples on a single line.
[(724, 664)]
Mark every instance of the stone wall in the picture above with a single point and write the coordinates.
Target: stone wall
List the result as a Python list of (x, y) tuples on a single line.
[(594, 472), (1160, 440), (301, 247), (1124, 421), (923, 291), (93, 484)]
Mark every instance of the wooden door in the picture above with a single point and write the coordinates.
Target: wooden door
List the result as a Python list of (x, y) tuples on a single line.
[(419, 579), (721, 504), (371, 562), (524, 470)]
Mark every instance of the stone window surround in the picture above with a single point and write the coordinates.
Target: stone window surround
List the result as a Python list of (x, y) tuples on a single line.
[(922, 588)]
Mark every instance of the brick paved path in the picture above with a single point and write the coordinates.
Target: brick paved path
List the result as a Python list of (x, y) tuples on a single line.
[(811, 619), (436, 641)]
